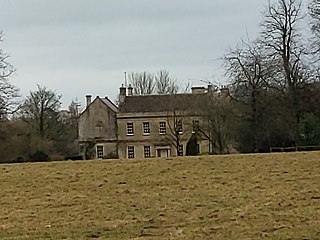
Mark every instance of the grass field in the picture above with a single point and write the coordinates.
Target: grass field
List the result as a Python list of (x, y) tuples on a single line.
[(265, 196)]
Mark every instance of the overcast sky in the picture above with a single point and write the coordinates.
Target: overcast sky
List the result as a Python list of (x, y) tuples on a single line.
[(79, 47)]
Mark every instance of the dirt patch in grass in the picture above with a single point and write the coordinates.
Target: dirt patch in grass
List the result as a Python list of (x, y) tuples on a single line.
[(268, 196)]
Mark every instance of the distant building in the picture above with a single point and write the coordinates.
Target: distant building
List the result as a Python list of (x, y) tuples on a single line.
[(144, 126), (97, 128)]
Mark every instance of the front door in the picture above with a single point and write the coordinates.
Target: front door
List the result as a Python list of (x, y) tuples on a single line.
[(163, 153)]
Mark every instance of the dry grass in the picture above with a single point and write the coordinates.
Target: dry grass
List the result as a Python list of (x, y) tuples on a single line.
[(266, 196)]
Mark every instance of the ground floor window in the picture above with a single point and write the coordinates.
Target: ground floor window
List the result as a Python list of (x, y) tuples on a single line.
[(130, 151), (180, 150), (100, 152), (81, 149), (147, 153)]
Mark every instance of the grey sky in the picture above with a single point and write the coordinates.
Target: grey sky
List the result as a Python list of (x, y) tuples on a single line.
[(79, 47)]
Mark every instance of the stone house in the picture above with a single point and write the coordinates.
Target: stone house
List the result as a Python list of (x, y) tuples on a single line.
[(97, 129), (159, 125), (143, 126)]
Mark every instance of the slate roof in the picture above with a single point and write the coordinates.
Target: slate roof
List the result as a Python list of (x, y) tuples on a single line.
[(162, 103), (110, 104)]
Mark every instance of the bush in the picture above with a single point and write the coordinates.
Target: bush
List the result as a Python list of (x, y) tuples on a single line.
[(39, 156)]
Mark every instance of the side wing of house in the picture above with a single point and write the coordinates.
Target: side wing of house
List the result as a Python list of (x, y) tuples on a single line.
[(98, 129)]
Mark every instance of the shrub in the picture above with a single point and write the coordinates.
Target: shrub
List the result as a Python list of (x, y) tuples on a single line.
[(39, 156)]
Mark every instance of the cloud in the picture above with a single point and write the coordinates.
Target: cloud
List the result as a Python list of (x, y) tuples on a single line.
[(88, 43)]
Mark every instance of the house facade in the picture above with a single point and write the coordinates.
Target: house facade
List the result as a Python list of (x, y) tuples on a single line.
[(97, 129), (144, 126), (159, 125)]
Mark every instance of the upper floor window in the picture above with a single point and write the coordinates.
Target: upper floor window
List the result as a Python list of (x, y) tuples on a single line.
[(162, 127), (195, 126), (179, 126), (146, 128), (130, 130), (130, 151)]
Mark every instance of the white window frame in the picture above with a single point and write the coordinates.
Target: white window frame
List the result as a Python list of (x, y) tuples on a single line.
[(163, 129), (147, 151), (130, 129), (179, 126), (100, 151), (146, 128), (130, 152), (195, 126), (180, 150)]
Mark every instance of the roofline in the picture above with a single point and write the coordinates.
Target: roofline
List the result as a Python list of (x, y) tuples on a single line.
[(97, 97)]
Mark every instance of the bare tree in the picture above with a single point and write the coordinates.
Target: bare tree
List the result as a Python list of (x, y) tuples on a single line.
[(164, 84), (40, 109), (219, 124), (250, 73), (8, 92), (147, 83), (176, 132), (314, 11), (142, 83), (281, 40)]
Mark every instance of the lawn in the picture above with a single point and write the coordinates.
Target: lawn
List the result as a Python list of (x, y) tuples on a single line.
[(262, 196)]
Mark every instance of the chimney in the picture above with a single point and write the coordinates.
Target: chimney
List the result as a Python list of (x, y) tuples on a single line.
[(198, 90), (88, 98), (122, 94), (130, 90), (224, 92)]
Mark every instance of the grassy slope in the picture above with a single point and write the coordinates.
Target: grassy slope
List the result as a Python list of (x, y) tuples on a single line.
[(274, 196)]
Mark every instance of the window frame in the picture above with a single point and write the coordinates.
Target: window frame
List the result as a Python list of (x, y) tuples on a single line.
[(99, 151), (163, 129), (179, 126), (195, 125), (146, 128), (130, 152), (130, 130), (180, 150), (147, 151)]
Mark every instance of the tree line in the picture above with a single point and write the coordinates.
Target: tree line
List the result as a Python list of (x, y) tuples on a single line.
[(34, 128), (275, 79)]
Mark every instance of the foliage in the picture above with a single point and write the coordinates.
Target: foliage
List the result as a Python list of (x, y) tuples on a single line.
[(274, 80), (309, 130), (192, 146), (39, 156)]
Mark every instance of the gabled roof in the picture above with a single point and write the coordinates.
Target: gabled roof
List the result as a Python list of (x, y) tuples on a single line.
[(106, 101), (163, 103), (110, 104)]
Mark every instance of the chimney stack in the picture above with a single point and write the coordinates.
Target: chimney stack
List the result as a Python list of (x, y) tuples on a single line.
[(122, 94), (198, 90), (224, 92), (88, 98), (130, 90)]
